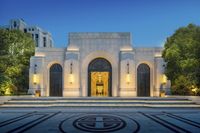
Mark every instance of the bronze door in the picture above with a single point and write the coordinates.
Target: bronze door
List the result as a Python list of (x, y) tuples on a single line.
[(55, 80), (143, 80)]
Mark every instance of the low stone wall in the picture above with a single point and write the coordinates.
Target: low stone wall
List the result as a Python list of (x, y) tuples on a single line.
[(6, 98), (195, 99)]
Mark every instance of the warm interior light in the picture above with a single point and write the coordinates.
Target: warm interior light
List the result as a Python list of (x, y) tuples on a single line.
[(164, 79), (128, 78), (35, 78), (71, 78)]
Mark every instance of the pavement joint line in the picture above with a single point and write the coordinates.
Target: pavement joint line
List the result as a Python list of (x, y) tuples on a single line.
[(24, 125), (38, 122), (160, 122), (12, 120), (173, 125), (184, 119)]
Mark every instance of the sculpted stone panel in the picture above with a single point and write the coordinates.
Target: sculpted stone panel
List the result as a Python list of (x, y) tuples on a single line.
[(126, 56), (71, 56)]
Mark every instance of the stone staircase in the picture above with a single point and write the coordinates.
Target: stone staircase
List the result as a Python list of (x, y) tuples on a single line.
[(169, 102)]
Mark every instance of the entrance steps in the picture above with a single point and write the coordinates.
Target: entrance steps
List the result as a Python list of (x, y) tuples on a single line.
[(166, 102)]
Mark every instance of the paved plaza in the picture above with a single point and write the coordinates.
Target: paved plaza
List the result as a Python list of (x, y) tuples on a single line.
[(99, 120)]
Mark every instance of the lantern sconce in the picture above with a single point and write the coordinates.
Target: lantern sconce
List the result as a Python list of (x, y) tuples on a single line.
[(164, 79), (71, 75), (35, 75), (128, 78)]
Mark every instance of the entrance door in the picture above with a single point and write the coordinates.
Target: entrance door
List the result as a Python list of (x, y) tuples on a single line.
[(99, 78), (99, 83), (55, 80), (143, 80)]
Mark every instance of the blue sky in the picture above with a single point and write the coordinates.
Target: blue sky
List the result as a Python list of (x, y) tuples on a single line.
[(149, 21)]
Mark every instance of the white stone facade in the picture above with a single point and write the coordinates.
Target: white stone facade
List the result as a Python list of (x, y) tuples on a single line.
[(83, 48)]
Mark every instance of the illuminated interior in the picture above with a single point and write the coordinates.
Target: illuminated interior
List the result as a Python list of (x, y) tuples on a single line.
[(99, 84)]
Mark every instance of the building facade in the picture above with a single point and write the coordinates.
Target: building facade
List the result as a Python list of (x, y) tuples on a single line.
[(41, 37), (98, 64)]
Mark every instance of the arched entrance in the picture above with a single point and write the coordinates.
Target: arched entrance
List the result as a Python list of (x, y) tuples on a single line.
[(99, 78), (55, 80), (143, 80)]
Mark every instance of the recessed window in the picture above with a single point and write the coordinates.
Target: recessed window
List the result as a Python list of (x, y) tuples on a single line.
[(25, 30), (36, 35), (15, 24), (44, 41)]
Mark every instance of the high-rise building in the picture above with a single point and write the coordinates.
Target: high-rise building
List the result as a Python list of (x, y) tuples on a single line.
[(41, 37)]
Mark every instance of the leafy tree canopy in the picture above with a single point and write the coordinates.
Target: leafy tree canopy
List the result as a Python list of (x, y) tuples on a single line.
[(182, 55), (16, 48)]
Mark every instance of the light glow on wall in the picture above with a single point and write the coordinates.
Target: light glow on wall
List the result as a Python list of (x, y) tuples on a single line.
[(128, 78), (71, 78), (35, 78), (158, 55)]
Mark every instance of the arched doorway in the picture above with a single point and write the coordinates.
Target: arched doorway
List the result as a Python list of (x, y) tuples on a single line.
[(99, 78), (55, 80), (143, 80)]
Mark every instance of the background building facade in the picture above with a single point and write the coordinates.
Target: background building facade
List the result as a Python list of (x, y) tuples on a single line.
[(41, 37)]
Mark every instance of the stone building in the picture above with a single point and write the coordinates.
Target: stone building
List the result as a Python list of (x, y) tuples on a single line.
[(98, 64)]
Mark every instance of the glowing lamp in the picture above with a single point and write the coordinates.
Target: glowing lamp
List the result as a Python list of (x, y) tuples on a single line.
[(35, 78), (128, 78), (71, 78), (164, 79), (194, 90), (7, 92)]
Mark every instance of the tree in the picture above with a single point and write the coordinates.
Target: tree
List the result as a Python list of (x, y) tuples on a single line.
[(182, 57), (16, 48)]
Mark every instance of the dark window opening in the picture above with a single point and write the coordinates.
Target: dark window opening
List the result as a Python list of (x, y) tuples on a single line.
[(36, 35), (15, 24), (44, 41)]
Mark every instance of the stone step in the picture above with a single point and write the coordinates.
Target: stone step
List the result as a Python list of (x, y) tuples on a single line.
[(32, 102), (100, 98), (102, 105), (99, 102)]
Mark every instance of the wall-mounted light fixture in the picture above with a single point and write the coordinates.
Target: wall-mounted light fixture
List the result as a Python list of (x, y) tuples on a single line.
[(128, 77), (35, 75), (35, 79), (164, 79), (71, 75)]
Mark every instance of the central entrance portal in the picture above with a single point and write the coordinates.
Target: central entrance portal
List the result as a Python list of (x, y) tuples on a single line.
[(99, 78)]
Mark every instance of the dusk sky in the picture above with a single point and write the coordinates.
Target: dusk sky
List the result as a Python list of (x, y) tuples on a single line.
[(149, 21)]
